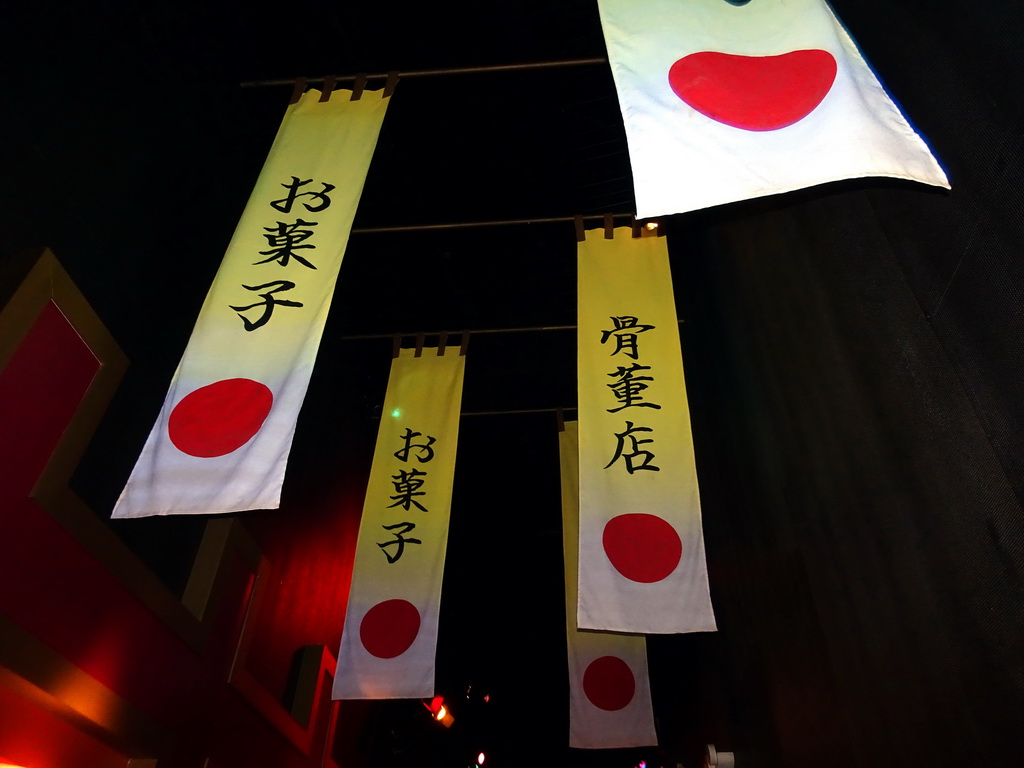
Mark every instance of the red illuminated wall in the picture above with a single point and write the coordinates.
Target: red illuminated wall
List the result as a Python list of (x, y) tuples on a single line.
[(97, 665), (306, 603), (33, 736)]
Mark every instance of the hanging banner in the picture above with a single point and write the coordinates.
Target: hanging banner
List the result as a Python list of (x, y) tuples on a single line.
[(642, 566), (221, 441), (727, 100), (609, 690), (390, 632)]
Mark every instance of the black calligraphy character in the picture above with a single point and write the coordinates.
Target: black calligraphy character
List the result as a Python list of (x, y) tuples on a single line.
[(399, 541), (268, 303), (284, 242), (284, 205), (629, 388), (424, 452), (408, 484), (624, 340), (635, 454)]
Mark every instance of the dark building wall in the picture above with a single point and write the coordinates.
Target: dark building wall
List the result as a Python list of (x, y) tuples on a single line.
[(100, 663), (854, 351)]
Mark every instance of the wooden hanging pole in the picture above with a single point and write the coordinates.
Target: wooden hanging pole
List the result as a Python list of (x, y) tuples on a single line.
[(595, 61), (464, 334), (489, 223)]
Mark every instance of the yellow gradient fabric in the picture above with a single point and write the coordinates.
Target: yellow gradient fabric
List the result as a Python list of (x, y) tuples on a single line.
[(390, 632), (642, 565), (221, 440), (604, 712)]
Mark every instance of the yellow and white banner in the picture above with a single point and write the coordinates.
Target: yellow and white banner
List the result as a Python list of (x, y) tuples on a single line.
[(222, 438), (390, 633), (609, 689), (642, 566), (725, 100)]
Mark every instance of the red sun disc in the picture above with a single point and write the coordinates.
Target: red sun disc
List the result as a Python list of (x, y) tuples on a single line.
[(389, 628), (609, 684), (219, 418), (642, 547), (755, 93)]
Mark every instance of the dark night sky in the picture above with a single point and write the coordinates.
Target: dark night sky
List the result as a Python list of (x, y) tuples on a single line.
[(852, 351)]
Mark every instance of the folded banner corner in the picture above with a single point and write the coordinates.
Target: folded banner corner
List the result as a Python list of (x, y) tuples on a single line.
[(724, 102)]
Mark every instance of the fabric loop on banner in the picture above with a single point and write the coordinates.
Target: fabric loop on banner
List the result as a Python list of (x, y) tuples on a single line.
[(222, 438), (724, 102), (642, 564), (390, 635)]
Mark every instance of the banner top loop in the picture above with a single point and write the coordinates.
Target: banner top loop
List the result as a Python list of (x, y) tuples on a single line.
[(298, 90), (358, 86), (328, 89)]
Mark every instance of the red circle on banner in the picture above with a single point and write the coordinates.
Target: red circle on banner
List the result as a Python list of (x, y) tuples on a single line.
[(642, 547), (755, 93), (609, 683), (389, 628), (219, 418)]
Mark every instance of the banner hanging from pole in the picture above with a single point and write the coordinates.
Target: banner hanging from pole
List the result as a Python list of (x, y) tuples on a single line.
[(222, 438), (725, 101), (390, 634), (642, 566), (609, 689)]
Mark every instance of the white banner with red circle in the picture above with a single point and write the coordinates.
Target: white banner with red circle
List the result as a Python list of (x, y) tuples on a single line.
[(222, 438), (725, 100), (642, 566), (390, 634), (609, 689)]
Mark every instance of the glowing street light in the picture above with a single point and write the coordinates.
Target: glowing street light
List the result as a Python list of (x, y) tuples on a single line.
[(440, 712)]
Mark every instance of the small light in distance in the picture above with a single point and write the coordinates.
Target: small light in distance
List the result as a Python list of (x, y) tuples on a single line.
[(434, 705), (480, 758), (651, 226), (444, 717), (439, 712), (396, 413)]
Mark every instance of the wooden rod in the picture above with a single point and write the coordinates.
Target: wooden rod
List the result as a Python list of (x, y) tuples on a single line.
[(475, 224), (594, 61)]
